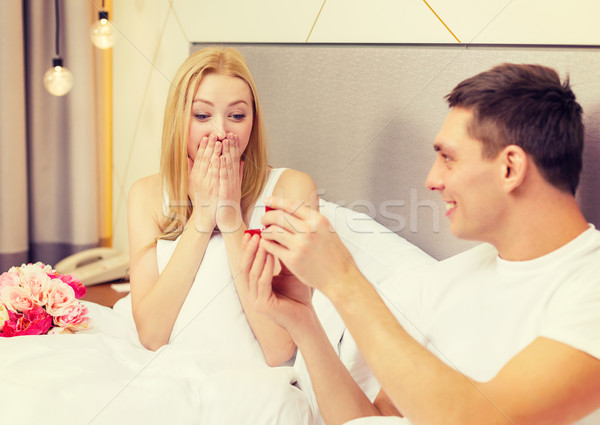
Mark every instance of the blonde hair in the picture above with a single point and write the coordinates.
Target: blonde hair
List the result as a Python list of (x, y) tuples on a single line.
[(174, 164)]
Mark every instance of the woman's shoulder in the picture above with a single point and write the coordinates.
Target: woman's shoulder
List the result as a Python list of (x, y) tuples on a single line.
[(147, 190), (295, 184), (147, 185), (289, 176)]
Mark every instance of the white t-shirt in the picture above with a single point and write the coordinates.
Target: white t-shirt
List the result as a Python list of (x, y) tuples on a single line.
[(476, 311)]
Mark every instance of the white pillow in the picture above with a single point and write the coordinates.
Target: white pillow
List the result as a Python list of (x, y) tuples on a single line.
[(377, 250)]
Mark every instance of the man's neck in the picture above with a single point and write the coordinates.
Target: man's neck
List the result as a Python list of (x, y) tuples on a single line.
[(543, 224)]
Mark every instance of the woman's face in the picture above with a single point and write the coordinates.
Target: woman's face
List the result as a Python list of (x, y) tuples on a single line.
[(222, 104)]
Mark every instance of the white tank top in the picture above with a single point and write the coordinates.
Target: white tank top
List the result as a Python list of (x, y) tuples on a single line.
[(211, 317)]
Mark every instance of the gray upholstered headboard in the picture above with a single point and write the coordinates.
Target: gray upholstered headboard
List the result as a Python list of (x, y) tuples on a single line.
[(361, 119)]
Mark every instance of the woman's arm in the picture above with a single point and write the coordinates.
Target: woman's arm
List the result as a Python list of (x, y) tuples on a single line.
[(276, 343), (339, 397), (157, 299)]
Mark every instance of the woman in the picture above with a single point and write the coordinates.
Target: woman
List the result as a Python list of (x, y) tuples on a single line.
[(212, 180), (186, 222)]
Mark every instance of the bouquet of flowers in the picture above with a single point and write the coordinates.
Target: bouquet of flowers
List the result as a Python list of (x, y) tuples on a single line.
[(36, 300)]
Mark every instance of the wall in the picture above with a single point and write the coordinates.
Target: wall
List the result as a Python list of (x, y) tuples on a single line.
[(155, 37)]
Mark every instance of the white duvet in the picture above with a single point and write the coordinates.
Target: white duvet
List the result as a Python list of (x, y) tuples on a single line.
[(211, 372), (98, 377)]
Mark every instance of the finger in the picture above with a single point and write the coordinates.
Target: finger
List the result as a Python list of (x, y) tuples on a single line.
[(204, 155), (223, 176), (249, 246), (245, 239), (279, 235), (201, 148), (228, 157), (265, 282), (235, 146), (226, 143), (257, 268), (300, 209), (201, 161), (278, 267), (210, 147), (190, 164), (218, 149), (275, 249), (236, 167), (213, 177), (286, 221)]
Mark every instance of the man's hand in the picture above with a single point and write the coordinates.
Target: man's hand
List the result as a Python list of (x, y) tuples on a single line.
[(306, 244)]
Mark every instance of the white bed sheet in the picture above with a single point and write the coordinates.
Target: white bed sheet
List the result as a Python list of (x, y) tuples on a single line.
[(104, 377)]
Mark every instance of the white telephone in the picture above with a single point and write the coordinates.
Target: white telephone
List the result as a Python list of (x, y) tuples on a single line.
[(96, 265)]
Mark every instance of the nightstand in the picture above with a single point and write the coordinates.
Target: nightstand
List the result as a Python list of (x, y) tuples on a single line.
[(106, 293)]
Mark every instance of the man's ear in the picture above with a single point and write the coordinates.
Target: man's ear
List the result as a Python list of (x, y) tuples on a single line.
[(515, 166)]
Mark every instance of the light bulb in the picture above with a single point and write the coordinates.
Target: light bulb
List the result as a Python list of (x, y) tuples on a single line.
[(58, 80), (103, 33)]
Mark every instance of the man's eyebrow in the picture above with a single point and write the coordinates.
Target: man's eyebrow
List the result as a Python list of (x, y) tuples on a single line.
[(442, 147)]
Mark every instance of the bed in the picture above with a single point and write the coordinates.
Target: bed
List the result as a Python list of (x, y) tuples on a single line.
[(104, 375)]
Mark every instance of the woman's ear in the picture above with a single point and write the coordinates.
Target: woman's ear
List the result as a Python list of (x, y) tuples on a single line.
[(515, 163)]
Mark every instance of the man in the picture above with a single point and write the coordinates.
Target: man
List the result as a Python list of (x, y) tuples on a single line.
[(505, 333)]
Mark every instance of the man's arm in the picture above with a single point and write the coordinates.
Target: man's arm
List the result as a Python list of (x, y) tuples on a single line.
[(547, 383)]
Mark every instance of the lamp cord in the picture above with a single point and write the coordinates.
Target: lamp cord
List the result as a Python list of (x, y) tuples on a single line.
[(57, 27)]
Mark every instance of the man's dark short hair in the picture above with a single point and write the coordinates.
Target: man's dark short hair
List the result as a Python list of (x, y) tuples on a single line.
[(528, 106)]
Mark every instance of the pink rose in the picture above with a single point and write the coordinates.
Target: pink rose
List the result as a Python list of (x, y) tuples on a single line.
[(35, 278), (75, 318), (18, 299), (33, 322), (45, 267), (77, 286), (59, 297), (9, 279)]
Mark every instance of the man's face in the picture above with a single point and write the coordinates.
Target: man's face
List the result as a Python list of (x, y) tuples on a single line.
[(470, 185)]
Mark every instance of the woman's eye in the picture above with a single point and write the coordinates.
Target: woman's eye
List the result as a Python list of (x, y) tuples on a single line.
[(238, 117), (201, 117)]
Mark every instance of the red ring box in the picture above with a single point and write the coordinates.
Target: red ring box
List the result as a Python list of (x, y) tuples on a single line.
[(253, 231), (257, 231)]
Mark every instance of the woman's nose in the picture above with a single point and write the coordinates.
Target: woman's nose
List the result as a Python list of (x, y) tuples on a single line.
[(219, 126)]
